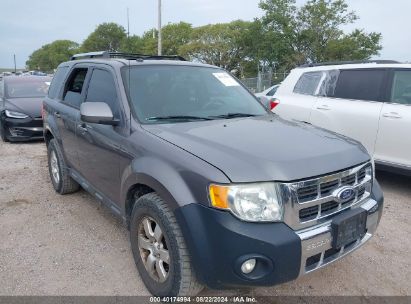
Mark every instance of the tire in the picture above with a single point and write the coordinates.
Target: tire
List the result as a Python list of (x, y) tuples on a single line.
[(60, 178), (3, 133), (180, 279)]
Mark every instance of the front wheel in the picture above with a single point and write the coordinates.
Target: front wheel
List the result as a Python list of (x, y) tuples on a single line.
[(159, 249), (62, 182)]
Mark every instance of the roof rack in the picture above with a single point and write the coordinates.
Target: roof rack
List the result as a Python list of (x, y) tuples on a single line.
[(129, 56), (310, 65)]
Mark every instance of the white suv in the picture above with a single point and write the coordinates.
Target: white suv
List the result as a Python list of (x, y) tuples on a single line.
[(370, 102)]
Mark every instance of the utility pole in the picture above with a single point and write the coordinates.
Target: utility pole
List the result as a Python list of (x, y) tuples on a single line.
[(160, 46), (15, 66), (128, 24)]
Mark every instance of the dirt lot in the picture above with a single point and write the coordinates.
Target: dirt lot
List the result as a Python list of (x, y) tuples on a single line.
[(55, 245)]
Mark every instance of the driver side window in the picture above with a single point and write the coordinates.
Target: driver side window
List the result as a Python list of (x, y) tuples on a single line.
[(102, 88), (74, 89)]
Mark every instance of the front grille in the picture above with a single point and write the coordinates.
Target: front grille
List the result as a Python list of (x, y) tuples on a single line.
[(328, 187), (309, 213), (348, 180), (315, 199), (362, 173), (308, 193), (361, 191), (329, 207)]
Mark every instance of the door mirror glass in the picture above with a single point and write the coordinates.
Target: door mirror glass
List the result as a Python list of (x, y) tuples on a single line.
[(97, 112)]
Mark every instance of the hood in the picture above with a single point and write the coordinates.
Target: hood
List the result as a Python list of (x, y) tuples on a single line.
[(29, 106), (264, 148)]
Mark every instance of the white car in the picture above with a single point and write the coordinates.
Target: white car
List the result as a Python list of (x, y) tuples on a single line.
[(369, 102)]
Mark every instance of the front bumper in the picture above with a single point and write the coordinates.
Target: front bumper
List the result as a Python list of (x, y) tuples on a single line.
[(23, 129), (219, 243)]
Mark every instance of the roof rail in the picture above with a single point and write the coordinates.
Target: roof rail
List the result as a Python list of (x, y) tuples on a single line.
[(129, 56), (309, 65)]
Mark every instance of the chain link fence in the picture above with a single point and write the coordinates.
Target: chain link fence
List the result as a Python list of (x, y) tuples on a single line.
[(263, 81)]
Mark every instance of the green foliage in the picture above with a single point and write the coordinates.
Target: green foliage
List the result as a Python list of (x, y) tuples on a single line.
[(314, 33), (49, 56), (219, 44), (174, 36), (106, 37), (133, 44), (286, 36)]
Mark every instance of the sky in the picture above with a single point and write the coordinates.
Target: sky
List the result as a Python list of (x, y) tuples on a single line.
[(26, 25)]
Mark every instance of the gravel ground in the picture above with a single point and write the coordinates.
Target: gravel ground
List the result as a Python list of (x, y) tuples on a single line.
[(71, 245)]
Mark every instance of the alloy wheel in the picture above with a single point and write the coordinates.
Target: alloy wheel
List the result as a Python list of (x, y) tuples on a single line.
[(153, 249), (55, 170)]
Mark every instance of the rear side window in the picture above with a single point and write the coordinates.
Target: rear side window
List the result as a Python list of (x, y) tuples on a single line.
[(1, 88), (360, 84), (57, 81), (401, 87), (102, 88), (74, 87), (308, 83), (273, 91)]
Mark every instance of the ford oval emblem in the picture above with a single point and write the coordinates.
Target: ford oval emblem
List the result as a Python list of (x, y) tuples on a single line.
[(345, 194)]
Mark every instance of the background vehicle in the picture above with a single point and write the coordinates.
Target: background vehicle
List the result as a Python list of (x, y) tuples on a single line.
[(20, 107), (267, 96), (370, 102), (216, 190)]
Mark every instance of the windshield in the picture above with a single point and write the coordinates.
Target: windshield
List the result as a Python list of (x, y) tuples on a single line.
[(25, 88), (170, 93)]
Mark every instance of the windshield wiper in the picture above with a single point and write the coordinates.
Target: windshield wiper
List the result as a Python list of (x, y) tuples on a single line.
[(233, 115), (177, 117)]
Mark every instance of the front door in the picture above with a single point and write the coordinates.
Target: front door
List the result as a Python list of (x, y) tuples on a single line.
[(394, 139), (98, 145), (353, 107)]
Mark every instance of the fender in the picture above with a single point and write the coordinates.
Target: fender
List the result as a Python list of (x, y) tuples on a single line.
[(161, 177)]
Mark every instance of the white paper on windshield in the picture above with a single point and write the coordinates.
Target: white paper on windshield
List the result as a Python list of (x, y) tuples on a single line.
[(226, 79)]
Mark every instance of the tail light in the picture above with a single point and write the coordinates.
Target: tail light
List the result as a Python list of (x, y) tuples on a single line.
[(273, 103)]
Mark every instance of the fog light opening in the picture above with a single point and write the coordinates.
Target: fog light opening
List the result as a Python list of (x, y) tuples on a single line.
[(248, 266)]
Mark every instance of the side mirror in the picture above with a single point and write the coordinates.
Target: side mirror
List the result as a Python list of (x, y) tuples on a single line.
[(98, 113)]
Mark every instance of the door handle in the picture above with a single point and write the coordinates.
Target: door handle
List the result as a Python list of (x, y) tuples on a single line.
[(57, 114), (392, 115), (324, 107)]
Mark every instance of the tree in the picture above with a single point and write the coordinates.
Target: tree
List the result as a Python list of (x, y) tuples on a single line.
[(174, 35), (218, 44), (133, 44), (106, 37), (49, 56), (313, 32)]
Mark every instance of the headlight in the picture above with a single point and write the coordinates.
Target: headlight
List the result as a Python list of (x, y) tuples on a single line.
[(252, 202), (13, 114)]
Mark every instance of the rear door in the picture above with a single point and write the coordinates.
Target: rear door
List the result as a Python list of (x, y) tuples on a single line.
[(352, 104), (296, 101), (99, 145), (394, 140), (67, 113)]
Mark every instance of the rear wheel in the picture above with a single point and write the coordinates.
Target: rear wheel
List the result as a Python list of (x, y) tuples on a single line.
[(159, 249), (60, 178)]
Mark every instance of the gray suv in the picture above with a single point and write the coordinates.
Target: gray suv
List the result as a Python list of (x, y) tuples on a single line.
[(216, 190)]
